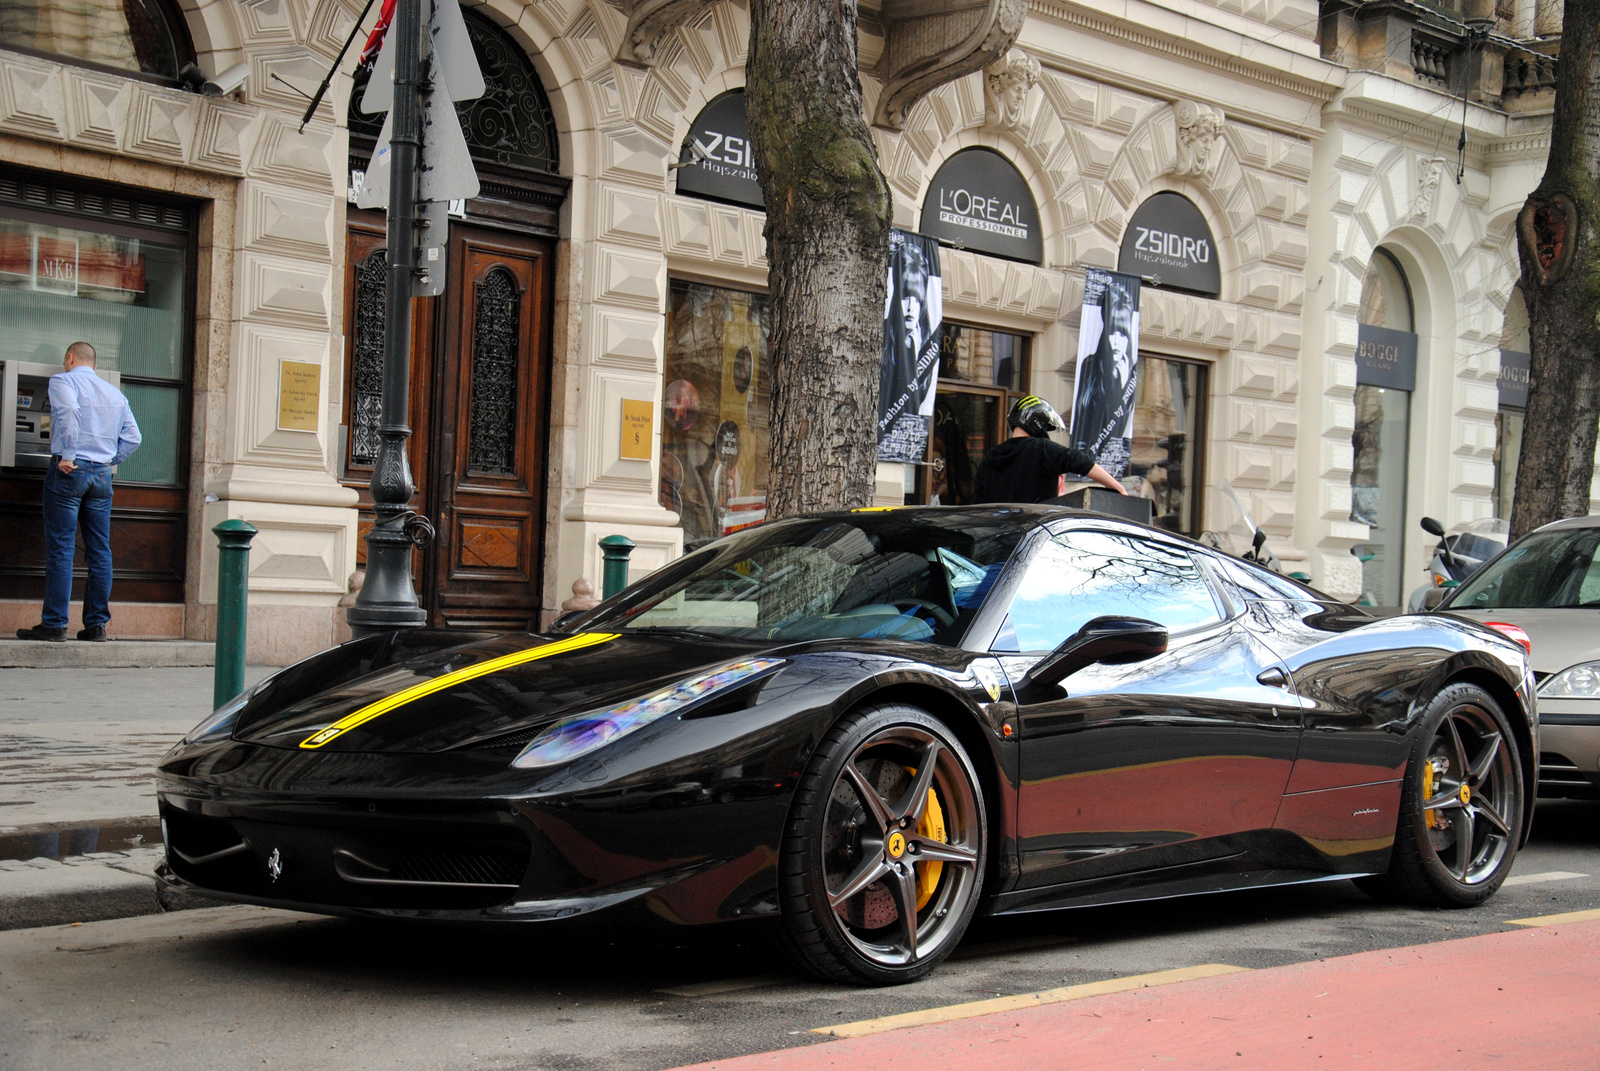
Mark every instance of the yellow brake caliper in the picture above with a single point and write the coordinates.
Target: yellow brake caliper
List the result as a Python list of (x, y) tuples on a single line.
[(1430, 817), (930, 827)]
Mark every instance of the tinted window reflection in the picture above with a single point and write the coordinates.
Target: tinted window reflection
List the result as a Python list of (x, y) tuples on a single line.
[(1079, 576), (1548, 569)]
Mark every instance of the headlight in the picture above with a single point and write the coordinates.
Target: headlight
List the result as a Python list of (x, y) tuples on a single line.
[(219, 726), (582, 733), (1581, 681)]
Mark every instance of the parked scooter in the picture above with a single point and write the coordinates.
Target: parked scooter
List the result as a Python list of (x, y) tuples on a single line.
[(1257, 551), (1458, 556)]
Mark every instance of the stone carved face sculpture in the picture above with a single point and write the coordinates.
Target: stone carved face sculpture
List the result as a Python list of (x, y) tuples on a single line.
[(1007, 84)]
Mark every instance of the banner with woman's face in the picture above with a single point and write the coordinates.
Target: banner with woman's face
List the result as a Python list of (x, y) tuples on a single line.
[(1107, 369), (913, 314)]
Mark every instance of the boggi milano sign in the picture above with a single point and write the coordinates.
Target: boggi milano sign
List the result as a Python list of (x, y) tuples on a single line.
[(1168, 244), (980, 201)]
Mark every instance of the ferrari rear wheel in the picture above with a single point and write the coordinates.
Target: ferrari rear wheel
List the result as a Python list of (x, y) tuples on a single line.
[(1461, 808), (883, 857)]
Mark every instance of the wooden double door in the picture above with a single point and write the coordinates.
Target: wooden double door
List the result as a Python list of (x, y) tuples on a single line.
[(480, 383)]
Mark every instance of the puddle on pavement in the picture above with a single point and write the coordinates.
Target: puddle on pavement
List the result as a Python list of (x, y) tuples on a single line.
[(80, 840)]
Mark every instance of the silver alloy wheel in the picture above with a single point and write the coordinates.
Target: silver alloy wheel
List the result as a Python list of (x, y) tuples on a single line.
[(1468, 790), (881, 842)]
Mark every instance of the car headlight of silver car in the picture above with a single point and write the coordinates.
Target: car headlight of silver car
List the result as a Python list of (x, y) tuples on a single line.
[(580, 734), (1581, 681)]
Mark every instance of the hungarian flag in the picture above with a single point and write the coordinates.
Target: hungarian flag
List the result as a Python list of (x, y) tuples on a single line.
[(375, 39)]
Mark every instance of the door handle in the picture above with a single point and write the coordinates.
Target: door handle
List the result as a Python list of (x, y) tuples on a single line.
[(1272, 678)]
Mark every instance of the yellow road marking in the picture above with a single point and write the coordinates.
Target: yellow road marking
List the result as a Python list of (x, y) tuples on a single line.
[(1025, 1000), (449, 680), (1556, 920)]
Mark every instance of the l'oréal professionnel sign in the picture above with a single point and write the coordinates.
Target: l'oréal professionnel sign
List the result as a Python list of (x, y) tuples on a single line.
[(980, 201), (1168, 244), (1386, 358), (717, 160)]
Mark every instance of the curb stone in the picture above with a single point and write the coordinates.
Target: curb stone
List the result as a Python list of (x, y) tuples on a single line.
[(86, 888)]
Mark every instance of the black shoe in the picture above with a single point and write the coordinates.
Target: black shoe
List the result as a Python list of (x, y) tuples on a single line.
[(39, 632), (94, 633)]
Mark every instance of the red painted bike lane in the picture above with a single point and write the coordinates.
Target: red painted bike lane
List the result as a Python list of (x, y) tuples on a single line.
[(1524, 999)]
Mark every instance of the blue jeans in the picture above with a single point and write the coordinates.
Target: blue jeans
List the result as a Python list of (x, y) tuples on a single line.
[(79, 499)]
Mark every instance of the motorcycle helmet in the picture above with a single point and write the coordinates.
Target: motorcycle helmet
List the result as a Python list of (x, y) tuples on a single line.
[(1035, 416)]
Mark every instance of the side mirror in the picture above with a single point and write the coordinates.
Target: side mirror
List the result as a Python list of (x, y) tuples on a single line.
[(1433, 527), (1110, 641), (1433, 597)]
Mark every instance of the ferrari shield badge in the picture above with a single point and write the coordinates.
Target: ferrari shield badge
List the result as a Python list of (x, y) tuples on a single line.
[(988, 674), (275, 865)]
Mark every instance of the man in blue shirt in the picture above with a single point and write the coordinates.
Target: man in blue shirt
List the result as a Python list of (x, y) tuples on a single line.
[(91, 429)]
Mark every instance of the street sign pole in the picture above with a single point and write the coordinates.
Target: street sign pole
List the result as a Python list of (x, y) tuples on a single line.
[(387, 599)]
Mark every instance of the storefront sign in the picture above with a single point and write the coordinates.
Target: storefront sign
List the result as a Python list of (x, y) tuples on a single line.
[(717, 160), (1108, 369), (299, 387), (1168, 244), (1514, 367), (980, 201), (913, 317), (638, 427), (1386, 358)]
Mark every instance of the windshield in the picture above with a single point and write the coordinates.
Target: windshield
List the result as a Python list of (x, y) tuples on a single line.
[(1548, 569), (913, 575)]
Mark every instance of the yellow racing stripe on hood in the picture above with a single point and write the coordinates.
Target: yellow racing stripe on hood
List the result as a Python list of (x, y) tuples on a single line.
[(450, 680)]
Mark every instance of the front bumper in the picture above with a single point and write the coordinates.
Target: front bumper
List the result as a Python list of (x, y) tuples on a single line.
[(1569, 748)]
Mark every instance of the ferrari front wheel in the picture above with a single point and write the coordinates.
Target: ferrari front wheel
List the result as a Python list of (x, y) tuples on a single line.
[(883, 856), (1461, 806)]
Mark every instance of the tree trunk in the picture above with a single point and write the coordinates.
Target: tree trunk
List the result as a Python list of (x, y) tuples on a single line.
[(828, 217), (1560, 252)]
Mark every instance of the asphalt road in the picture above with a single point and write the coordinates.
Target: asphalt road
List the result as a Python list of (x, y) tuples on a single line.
[(243, 987)]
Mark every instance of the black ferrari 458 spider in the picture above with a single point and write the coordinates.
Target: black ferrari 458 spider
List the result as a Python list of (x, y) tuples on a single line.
[(872, 725)]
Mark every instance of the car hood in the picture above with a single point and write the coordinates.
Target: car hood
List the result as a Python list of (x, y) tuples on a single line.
[(1561, 637), (477, 693)]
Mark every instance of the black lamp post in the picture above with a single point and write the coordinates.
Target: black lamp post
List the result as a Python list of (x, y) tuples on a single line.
[(387, 599)]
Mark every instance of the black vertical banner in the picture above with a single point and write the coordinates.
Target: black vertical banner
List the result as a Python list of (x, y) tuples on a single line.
[(913, 314), (1108, 368)]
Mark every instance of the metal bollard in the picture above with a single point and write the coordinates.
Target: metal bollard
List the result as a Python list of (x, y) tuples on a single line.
[(616, 548), (233, 577)]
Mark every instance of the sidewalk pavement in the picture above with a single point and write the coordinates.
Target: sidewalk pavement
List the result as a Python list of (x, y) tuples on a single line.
[(78, 747), (1520, 999)]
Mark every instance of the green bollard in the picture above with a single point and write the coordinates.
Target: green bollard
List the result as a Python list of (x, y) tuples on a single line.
[(233, 580), (616, 548)]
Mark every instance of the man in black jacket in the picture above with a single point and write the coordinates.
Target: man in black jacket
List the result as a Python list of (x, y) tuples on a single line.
[(1028, 466)]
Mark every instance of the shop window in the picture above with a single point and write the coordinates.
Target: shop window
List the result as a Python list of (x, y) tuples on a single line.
[(1386, 361), (125, 296), (1515, 362), (1168, 436), (130, 35), (981, 372), (716, 409)]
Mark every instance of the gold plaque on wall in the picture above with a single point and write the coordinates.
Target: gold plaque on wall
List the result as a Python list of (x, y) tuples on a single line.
[(299, 386), (638, 425)]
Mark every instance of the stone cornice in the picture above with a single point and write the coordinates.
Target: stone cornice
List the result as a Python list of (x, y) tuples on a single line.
[(1070, 14)]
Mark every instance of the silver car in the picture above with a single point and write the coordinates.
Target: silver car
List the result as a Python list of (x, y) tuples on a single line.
[(1548, 585)]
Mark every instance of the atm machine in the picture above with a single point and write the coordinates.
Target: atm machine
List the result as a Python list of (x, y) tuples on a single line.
[(25, 392)]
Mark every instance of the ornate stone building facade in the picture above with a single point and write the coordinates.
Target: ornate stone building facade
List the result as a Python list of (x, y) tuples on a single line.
[(593, 288)]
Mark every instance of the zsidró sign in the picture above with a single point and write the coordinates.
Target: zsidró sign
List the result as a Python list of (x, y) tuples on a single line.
[(1168, 244)]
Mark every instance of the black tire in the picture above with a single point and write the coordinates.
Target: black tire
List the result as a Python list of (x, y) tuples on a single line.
[(848, 866), (1455, 844)]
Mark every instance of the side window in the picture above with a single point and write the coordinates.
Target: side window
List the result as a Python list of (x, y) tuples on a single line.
[(1081, 575)]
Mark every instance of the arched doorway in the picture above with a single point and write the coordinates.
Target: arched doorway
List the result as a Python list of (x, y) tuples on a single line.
[(480, 368), (1386, 376)]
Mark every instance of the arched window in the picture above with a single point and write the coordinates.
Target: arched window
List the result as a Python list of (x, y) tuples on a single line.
[(1515, 362), (130, 35), (1386, 374), (511, 125)]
